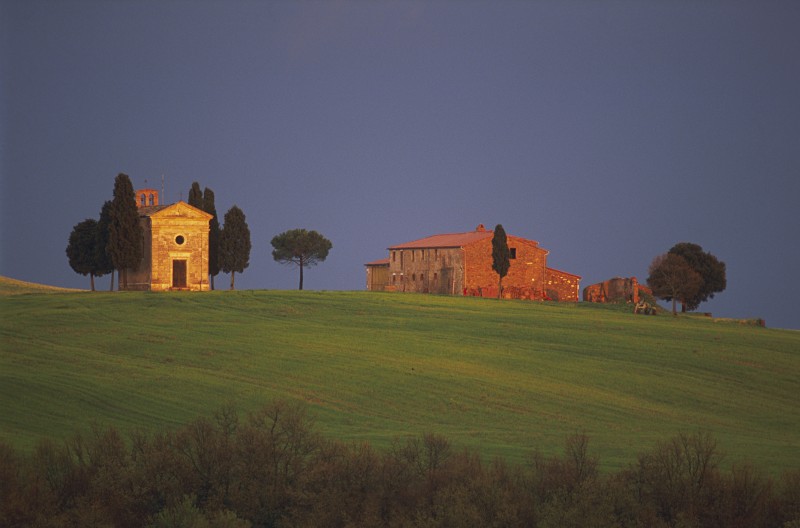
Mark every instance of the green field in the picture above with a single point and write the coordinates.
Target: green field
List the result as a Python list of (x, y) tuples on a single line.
[(502, 377)]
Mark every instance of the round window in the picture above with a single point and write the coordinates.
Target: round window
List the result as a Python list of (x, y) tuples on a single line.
[(179, 240)]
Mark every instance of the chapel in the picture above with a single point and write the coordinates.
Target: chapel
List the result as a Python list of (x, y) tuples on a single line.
[(175, 252)]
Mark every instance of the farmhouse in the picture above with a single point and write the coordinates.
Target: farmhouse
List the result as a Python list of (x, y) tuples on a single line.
[(175, 255), (461, 264)]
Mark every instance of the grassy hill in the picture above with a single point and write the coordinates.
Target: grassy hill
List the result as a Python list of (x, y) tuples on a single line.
[(502, 377)]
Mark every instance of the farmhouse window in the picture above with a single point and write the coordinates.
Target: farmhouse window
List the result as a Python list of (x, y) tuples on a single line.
[(512, 253), (422, 277), (414, 277), (180, 240)]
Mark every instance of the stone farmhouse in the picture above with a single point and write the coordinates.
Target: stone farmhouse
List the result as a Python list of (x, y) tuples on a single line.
[(175, 255), (461, 264)]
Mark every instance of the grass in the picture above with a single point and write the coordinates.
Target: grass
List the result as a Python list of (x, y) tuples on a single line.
[(502, 377)]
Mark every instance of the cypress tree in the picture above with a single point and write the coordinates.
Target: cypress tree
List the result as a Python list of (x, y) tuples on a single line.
[(195, 196), (213, 235), (103, 258), (234, 243), (125, 239), (500, 256)]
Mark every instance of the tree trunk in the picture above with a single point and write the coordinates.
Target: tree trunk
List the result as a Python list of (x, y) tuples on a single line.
[(91, 277), (301, 273), (233, 273), (500, 288), (211, 281), (674, 309), (111, 288)]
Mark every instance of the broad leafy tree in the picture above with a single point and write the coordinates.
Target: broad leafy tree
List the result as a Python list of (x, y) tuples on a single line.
[(711, 269), (195, 196), (671, 278), (81, 250), (125, 242), (213, 235), (300, 248), (234, 243), (501, 256)]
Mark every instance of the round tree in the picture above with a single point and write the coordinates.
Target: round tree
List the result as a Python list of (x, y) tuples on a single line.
[(672, 279), (300, 248), (711, 270), (81, 248)]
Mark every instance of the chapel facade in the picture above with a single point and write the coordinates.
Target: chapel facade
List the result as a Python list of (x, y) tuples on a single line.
[(175, 252)]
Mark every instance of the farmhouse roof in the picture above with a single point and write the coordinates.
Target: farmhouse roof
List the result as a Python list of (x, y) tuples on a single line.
[(454, 240), (381, 262), (563, 272), (448, 240)]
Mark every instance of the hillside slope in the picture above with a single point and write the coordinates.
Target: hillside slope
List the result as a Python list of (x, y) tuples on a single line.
[(503, 377), (9, 286)]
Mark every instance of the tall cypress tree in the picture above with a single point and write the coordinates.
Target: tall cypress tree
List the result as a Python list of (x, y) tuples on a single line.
[(102, 256), (213, 235), (234, 243), (195, 196), (501, 259), (125, 239)]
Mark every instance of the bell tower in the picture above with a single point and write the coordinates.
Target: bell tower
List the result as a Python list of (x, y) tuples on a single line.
[(146, 197)]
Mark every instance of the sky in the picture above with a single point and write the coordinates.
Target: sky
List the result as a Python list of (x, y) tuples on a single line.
[(607, 131)]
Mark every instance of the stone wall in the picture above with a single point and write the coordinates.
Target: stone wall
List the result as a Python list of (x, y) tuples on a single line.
[(618, 289), (526, 274), (561, 286), (428, 270)]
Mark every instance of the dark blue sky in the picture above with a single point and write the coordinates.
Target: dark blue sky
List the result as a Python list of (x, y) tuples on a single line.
[(607, 131)]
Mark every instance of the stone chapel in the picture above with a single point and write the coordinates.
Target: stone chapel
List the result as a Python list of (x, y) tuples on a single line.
[(175, 255)]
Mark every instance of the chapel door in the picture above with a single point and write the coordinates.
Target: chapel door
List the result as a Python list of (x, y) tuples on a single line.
[(178, 273)]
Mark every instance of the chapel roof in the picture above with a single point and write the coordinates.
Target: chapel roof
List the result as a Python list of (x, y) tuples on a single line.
[(151, 210)]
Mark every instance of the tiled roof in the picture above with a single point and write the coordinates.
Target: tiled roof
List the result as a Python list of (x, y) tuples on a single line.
[(150, 209), (450, 240), (381, 262)]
